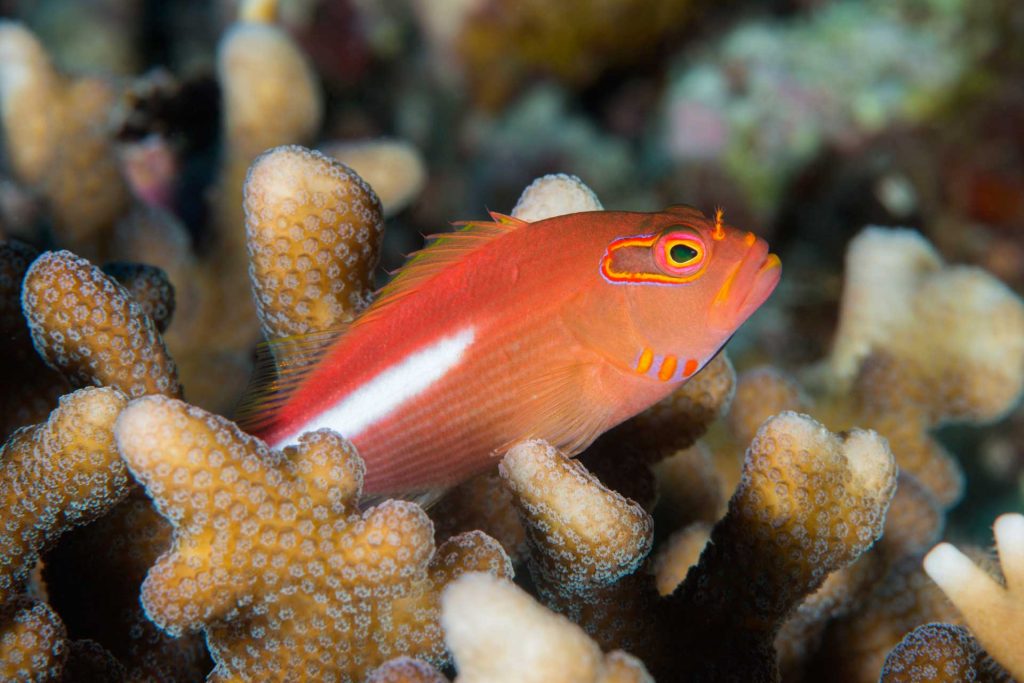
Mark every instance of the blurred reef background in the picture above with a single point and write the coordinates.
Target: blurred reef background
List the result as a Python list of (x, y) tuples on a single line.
[(129, 127)]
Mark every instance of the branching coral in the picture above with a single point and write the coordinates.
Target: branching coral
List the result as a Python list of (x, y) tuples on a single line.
[(314, 232), (55, 130), (583, 539), (111, 556), (809, 502), (57, 475), (958, 329), (497, 633), (31, 388), (272, 558), (940, 653), (994, 612), (149, 286), (260, 70), (32, 646), (91, 329), (393, 168)]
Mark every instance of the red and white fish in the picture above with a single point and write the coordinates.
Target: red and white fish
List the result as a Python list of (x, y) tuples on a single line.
[(558, 329)]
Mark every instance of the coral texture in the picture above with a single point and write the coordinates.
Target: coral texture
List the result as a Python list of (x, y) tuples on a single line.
[(994, 612), (314, 232), (32, 646), (394, 169), (272, 558), (92, 330), (57, 475), (940, 653)]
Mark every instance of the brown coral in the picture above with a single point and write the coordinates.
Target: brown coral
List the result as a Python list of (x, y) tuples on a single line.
[(583, 540), (314, 232), (57, 475), (32, 646), (957, 327), (55, 129), (995, 613), (940, 653), (497, 633), (393, 168), (91, 329), (809, 503), (30, 388), (271, 556), (149, 286)]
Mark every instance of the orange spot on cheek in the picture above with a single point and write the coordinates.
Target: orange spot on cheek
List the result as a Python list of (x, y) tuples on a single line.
[(668, 368), (644, 364), (690, 367), (749, 239)]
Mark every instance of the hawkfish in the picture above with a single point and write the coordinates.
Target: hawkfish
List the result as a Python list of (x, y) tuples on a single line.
[(508, 330)]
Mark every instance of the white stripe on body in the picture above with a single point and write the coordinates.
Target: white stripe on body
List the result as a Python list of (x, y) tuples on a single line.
[(389, 390)]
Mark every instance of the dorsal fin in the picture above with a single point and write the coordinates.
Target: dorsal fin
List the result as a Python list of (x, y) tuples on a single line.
[(442, 250), (281, 367)]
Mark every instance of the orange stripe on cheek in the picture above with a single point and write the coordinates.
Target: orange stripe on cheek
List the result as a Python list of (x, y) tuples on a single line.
[(690, 367), (668, 368), (644, 364)]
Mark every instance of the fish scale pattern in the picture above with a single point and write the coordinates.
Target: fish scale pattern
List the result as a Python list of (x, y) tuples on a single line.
[(90, 328), (272, 557), (57, 475), (314, 230)]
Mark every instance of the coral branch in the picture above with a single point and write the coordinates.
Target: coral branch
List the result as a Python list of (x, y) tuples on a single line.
[(994, 613)]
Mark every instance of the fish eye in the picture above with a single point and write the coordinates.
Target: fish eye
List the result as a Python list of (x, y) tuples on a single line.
[(680, 254)]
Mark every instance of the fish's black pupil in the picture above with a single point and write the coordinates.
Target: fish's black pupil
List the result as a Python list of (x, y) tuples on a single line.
[(682, 253)]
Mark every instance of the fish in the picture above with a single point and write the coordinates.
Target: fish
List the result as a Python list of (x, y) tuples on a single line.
[(506, 330)]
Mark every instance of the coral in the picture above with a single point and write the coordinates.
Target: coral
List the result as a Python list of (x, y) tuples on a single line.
[(394, 169), (940, 653), (60, 145), (555, 195), (111, 556), (959, 330), (88, 327), (809, 503), (149, 286), (32, 646), (583, 539), (994, 612), (502, 43), (484, 503), (30, 388), (497, 633), (56, 475), (271, 557), (405, 670), (855, 645), (314, 232), (677, 554), (689, 489), (260, 70)]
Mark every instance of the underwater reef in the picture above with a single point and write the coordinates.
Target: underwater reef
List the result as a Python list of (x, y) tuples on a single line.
[(838, 495)]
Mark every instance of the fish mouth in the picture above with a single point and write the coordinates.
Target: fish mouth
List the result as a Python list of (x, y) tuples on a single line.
[(764, 280), (748, 285)]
